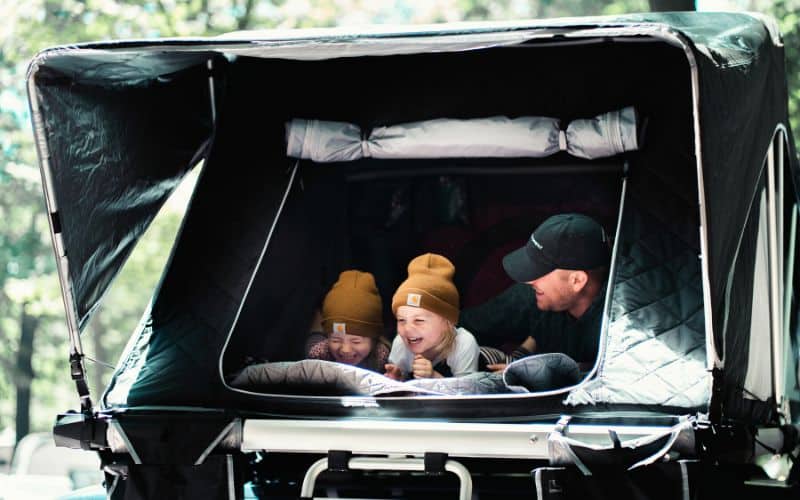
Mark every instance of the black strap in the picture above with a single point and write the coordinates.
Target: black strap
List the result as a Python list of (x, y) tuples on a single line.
[(78, 373)]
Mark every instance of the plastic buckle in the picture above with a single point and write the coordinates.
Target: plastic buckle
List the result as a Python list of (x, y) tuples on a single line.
[(76, 366), (435, 462), (339, 460), (562, 424)]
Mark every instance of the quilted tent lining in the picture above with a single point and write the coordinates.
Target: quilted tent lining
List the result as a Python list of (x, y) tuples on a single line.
[(655, 344)]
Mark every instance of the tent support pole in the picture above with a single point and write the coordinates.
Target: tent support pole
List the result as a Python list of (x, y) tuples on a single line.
[(773, 200)]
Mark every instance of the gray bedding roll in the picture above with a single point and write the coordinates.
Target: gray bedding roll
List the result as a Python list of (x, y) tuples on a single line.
[(319, 378), (326, 378), (542, 372)]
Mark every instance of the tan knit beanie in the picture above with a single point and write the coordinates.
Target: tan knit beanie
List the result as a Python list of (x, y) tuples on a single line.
[(429, 286), (353, 306)]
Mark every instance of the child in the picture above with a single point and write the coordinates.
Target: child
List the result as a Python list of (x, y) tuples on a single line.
[(428, 344), (352, 324)]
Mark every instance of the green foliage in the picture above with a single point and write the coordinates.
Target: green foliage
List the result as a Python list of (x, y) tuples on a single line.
[(788, 14), (27, 266)]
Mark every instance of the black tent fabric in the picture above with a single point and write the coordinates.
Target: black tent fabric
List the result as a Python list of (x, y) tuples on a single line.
[(279, 298), (114, 161), (712, 87)]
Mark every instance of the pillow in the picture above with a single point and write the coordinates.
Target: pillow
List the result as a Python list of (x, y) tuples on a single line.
[(542, 372)]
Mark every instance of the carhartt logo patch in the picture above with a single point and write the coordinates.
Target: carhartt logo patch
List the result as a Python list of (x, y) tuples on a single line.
[(414, 299), (339, 328), (538, 245)]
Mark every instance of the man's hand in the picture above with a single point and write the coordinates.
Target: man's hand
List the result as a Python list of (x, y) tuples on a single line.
[(422, 367), (393, 372), (496, 367), (529, 344)]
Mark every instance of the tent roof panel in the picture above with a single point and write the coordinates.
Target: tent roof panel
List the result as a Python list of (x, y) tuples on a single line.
[(726, 39)]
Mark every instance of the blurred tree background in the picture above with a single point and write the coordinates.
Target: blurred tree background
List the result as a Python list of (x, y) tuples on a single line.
[(34, 381)]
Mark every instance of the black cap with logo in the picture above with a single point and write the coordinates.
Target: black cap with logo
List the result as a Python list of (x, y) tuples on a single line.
[(564, 241)]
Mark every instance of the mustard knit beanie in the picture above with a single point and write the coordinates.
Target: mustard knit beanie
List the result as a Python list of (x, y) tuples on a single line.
[(353, 306), (429, 286)]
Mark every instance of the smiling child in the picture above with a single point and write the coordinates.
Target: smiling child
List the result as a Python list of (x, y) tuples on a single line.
[(426, 306), (351, 324)]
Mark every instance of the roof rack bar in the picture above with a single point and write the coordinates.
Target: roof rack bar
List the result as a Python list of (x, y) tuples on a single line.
[(406, 437)]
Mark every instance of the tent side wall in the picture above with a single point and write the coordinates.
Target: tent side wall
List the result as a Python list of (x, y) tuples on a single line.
[(735, 140), (116, 153), (234, 203)]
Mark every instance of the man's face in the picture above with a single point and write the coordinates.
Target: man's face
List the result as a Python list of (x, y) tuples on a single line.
[(555, 291)]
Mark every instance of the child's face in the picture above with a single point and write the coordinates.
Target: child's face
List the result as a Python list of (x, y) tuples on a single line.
[(421, 330), (350, 349)]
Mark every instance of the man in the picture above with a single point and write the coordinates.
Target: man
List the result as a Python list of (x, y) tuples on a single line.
[(562, 268)]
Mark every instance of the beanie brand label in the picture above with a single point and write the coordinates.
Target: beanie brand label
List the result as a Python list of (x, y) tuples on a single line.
[(339, 328), (414, 299)]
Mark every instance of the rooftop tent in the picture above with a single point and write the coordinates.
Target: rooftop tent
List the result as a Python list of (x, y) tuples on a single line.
[(295, 269), (710, 87)]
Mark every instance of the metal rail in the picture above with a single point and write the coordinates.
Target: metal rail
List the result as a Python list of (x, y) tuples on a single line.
[(405, 437), (390, 464)]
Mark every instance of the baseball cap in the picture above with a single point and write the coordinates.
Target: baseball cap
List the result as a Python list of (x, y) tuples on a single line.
[(564, 241)]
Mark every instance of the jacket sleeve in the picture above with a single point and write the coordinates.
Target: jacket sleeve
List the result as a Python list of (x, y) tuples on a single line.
[(317, 347), (504, 318)]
